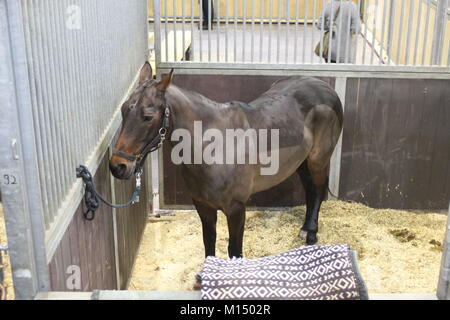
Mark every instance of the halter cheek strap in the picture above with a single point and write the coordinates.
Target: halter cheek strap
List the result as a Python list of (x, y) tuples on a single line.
[(153, 145)]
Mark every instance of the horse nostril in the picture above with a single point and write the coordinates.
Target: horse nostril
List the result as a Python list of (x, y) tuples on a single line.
[(121, 168)]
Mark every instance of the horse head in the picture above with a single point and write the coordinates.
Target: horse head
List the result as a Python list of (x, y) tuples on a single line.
[(144, 124)]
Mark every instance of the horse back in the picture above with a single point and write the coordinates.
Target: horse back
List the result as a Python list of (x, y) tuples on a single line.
[(297, 96)]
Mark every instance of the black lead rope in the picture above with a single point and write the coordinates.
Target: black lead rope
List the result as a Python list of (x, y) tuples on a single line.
[(92, 197)]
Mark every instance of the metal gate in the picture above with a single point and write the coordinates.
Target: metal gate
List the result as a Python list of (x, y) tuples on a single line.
[(400, 65), (66, 66), (405, 41)]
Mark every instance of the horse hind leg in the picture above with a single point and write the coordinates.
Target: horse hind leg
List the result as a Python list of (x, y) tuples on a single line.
[(314, 171), (315, 181), (310, 195)]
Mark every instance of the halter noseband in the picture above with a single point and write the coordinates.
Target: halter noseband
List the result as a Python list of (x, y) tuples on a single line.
[(154, 144)]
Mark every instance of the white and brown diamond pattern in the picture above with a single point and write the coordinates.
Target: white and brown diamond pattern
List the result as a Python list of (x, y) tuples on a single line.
[(311, 272)]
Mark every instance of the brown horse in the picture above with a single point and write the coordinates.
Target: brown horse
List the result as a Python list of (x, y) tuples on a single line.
[(306, 112)]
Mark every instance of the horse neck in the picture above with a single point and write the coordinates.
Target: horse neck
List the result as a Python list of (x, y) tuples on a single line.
[(187, 106)]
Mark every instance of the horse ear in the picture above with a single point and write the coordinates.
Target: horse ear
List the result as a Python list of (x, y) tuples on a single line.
[(146, 73), (165, 81)]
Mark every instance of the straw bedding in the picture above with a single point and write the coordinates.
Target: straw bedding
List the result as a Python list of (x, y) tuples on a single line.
[(398, 251)]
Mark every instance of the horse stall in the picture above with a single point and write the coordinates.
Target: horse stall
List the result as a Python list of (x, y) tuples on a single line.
[(70, 65)]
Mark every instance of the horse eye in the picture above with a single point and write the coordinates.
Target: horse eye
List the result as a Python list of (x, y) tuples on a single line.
[(148, 118)]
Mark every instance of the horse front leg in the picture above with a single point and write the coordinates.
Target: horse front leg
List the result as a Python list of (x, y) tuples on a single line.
[(236, 221), (208, 217)]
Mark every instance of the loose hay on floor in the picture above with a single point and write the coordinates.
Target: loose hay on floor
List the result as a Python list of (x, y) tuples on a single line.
[(398, 251), (7, 270)]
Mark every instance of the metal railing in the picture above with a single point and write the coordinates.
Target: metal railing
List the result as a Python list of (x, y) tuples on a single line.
[(67, 65), (369, 32)]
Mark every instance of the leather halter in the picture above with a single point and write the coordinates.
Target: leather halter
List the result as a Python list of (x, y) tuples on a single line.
[(154, 144)]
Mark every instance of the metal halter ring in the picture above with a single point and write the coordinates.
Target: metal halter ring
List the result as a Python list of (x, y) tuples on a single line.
[(162, 132)]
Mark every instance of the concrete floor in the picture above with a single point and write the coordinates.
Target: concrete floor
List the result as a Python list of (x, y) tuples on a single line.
[(288, 44), (186, 295)]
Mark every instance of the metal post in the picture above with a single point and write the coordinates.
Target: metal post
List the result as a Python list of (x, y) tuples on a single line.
[(115, 229), (390, 31), (335, 164), (157, 30), (443, 290), (438, 34), (18, 159)]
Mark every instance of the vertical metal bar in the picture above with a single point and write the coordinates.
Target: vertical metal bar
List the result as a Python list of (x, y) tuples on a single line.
[(339, 38), (332, 14), (270, 31), (279, 30), (200, 30), (419, 27), (183, 13), (335, 162), (261, 31), (235, 29), (400, 33), (439, 30), (252, 56), (287, 13), (296, 31), (322, 28), (448, 58), (383, 28), (313, 29), (374, 32), (226, 29), (408, 36), (305, 22), (209, 30), (366, 18), (443, 287), (349, 39), (244, 18), (391, 31), (353, 51), (175, 44), (21, 197), (166, 32), (218, 31), (114, 220), (425, 34), (192, 48)]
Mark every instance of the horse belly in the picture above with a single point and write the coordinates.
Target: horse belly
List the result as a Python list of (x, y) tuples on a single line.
[(290, 158)]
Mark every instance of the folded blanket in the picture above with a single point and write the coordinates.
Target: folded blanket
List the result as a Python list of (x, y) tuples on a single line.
[(325, 272)]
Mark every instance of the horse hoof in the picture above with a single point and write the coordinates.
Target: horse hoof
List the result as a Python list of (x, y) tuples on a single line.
[(197, 286), (311, 239), (198, 282), (302, 235)]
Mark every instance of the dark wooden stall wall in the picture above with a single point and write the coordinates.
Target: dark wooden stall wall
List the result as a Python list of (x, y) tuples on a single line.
[(224, 88), (90, 244), (130, 224), (396, 143)]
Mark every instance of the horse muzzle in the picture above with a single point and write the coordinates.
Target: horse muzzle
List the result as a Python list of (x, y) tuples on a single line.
[(121, 169)]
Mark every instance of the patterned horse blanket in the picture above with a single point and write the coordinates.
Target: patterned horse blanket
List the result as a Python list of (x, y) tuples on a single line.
[(324, 272)]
